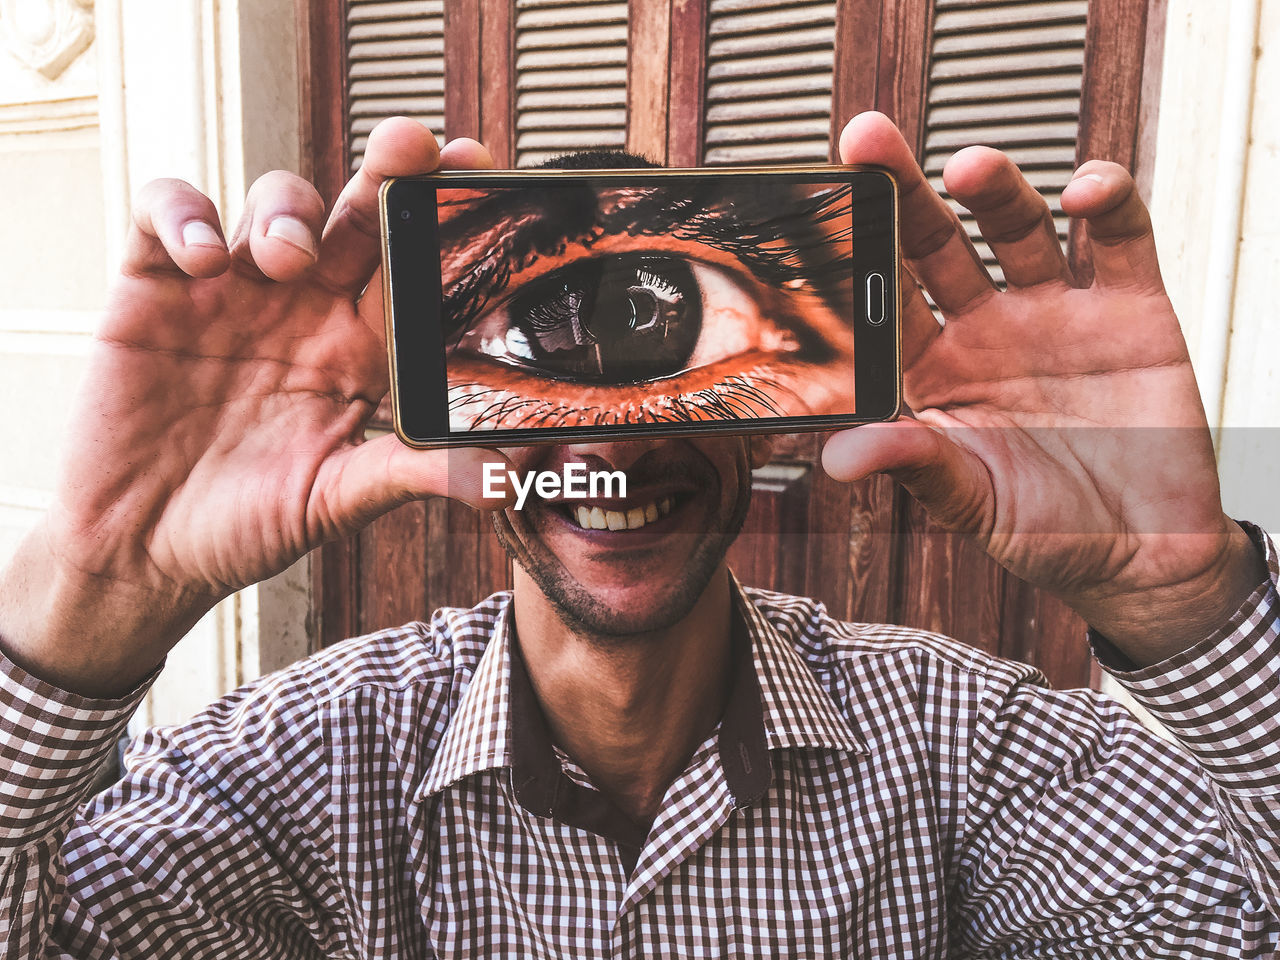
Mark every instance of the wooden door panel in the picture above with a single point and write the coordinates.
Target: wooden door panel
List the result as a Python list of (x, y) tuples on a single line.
[(393, 557), (770, 551), (726, 90), (852, 548), (946, 584)]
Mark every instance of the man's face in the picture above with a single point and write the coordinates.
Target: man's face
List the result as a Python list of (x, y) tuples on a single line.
[(689, 497)]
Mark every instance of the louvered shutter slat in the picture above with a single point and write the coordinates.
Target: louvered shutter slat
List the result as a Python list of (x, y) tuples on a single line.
[(788, 18), (756, 132), (1000, 135), (1008, 64), (725, 7), (742, 111), (533, 18), (611, 35), (403, 10), (759, 90), (431, 28), (815, 65), (571, 81), (608, 79), (769, 70), (1044, 158), (982, 17), (992, 89), (1030, 109), (571, 119), (394, 88), (420, 106), (1007, 74), (554, 60), (401, 48), (817, 38), (611, 95), (1062, 35), (395, 58), (560, 17), (751, 152)]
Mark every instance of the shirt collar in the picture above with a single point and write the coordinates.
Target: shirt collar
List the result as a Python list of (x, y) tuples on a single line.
[(479, 732), (775, 703), (797, 712)]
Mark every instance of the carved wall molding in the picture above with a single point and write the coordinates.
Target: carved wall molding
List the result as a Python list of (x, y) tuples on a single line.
[(48, 116), (46, 35)]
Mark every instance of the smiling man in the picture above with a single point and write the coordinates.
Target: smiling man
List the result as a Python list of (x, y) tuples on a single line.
[(632, 754)]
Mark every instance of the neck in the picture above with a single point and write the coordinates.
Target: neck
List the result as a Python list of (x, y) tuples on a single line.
[(630, 709)]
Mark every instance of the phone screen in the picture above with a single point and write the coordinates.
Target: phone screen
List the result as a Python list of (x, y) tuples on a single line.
[(566, 305)]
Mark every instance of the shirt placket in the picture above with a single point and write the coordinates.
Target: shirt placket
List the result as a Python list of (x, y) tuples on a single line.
[(695, 808)]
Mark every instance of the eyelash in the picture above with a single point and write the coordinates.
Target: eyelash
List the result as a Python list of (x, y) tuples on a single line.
[(730, 398), (762, 245)]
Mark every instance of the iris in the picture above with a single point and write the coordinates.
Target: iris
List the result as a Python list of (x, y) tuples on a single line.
[(620, 319)]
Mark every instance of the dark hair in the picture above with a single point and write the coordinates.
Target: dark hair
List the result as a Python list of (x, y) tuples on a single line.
[(596, 160)]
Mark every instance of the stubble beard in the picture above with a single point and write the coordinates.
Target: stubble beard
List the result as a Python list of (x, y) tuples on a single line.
[(589, 616)]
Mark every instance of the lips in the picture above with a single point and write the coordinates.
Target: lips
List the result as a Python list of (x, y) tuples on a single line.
[(633, 518)]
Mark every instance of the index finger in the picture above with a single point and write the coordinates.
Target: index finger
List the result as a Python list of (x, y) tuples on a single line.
[(349, 248), (398, 147), (934, 243)]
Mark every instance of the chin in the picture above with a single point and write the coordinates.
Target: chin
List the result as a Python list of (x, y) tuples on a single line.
[(645, 602)]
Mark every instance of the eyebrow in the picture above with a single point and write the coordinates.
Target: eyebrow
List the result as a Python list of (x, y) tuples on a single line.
[(778, 247)]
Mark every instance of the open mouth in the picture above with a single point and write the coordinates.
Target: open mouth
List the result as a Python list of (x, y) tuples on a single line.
[(633, 518)]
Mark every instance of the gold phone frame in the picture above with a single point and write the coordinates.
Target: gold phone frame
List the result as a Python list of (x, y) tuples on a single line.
[(659, 430)]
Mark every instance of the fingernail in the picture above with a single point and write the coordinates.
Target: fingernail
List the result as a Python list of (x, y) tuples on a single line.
[(1096, 178), (197, 233), (293, 232)]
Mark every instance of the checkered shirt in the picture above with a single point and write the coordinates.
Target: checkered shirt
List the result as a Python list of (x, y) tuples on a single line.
[(871, 791)]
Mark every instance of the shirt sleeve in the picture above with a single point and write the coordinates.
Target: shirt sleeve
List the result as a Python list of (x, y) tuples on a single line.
[(1220, 700), (1086, 835), (52, 745), (213, 845)]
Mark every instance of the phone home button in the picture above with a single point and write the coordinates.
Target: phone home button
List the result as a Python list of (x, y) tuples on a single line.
[(875, 299)]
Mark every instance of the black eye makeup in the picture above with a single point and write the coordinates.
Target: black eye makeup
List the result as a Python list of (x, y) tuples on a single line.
[(582, 305)]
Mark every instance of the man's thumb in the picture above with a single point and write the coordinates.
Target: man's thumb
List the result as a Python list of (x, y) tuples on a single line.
[(949, 481), (368, 480)]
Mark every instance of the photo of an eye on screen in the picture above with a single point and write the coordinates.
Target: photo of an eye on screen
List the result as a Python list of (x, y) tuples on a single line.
[(587, 306), (595, 304)]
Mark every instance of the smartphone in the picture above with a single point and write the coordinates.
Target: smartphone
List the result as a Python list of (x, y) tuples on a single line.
[(551, 305)]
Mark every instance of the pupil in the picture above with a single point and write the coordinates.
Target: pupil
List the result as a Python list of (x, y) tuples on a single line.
[(611, 320)]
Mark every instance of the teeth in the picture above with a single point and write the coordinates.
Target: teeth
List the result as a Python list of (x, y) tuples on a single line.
[(596, 518)]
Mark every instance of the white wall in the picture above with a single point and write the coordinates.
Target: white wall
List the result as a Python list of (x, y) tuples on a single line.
[(1213, 197), (206, 90), (1214, 206)]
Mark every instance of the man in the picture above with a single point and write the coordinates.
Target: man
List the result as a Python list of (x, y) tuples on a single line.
[(632, 756)]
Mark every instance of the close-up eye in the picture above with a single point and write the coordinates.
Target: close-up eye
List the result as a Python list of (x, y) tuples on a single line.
[(627, 319), (649, 311), (606, 320)]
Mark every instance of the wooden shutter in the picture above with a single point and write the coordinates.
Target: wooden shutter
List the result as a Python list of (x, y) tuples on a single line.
[(395, 65), (571, 77), (769, 72), (745, 81), (1008, 75)]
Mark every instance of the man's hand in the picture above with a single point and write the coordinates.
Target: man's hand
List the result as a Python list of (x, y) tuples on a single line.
[(1059, 425), (219, 434)]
